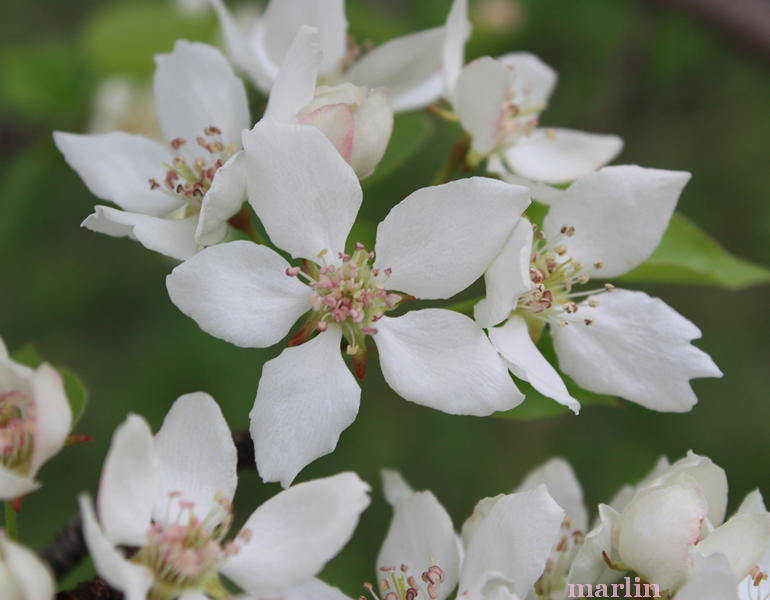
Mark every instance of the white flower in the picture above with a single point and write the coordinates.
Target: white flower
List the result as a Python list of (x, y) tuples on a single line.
[(502, 553), (432, 245), (356, 119), (35, 420), (121, 102), (499, 101), (169, 497), (410, 67), (179, 198), (22, 575), (672, 532), (621, 343)]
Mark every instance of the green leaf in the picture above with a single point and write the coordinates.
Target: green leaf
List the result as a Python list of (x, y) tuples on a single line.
[(77, 393), (536, 406), (124, 37), (410, 133), (688, 255)]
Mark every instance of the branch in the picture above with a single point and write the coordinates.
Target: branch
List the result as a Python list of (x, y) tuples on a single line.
[(96, 589), (69, 548)]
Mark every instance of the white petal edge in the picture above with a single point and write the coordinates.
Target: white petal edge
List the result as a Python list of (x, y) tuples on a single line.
[(306, 398), (443, 360), (223, 200), (54, 416), (563, 486), (31, 574), (239, 292)]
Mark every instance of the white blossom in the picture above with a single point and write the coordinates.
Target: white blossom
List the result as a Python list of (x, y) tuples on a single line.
[(431, 246), (622, 343), (35, 420), (174, 199), (409, 67), (169, 499), (23, 576)]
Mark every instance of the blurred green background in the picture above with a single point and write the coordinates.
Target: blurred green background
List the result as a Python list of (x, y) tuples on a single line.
[(682, 94)]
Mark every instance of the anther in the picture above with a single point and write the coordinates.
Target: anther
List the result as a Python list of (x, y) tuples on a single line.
[(609, 287), (588, 321), (178, 142)]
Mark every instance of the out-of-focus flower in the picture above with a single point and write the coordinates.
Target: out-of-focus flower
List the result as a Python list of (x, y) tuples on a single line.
[(498, 101), (22, 574), (432, 245), (123, 103), (409, 67), (621, 343), (175, 200), (35, 420), (169, 498), (356, 119)]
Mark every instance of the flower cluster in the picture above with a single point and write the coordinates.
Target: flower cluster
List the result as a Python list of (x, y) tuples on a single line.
[(262, 221)]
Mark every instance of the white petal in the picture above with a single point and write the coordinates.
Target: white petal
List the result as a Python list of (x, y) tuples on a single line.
[(588, 565), (118, 167), (409, 67), (563, 486), (619, 214), (420, 535), (442, 359), (374, 125), (223, 200), (541, 192), (133, 580), (440, 239), (743, 539), (239, 292), (31, 574), (295, 85), (458, 29), (752, 504), (561, 155), (195, 88), (710, 477), (533, 80), (283, 18), (625, 494), (637, 348), (255, 64), (196, 457), (511, 545), (395, 486), (305, 194), (657, 530), (481, 114), (296, 532), (129, 484), (480, 512), (710, 579), (507, 277), (338, 124), (306, 398), (54, 417), (523, 358), (314, 589), (172, 237), (14, 485)]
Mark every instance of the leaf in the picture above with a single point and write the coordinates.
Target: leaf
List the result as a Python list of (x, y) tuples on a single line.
[(124, 37), (536, 406), (688, 255), (77, 393), (74, 388), (410, 133)]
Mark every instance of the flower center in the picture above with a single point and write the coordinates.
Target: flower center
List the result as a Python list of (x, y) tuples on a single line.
[(190, 179), (398, 584), (17, 430), (185, 553), (757, 585), (553, 274), (351, 294), (554, 577)]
